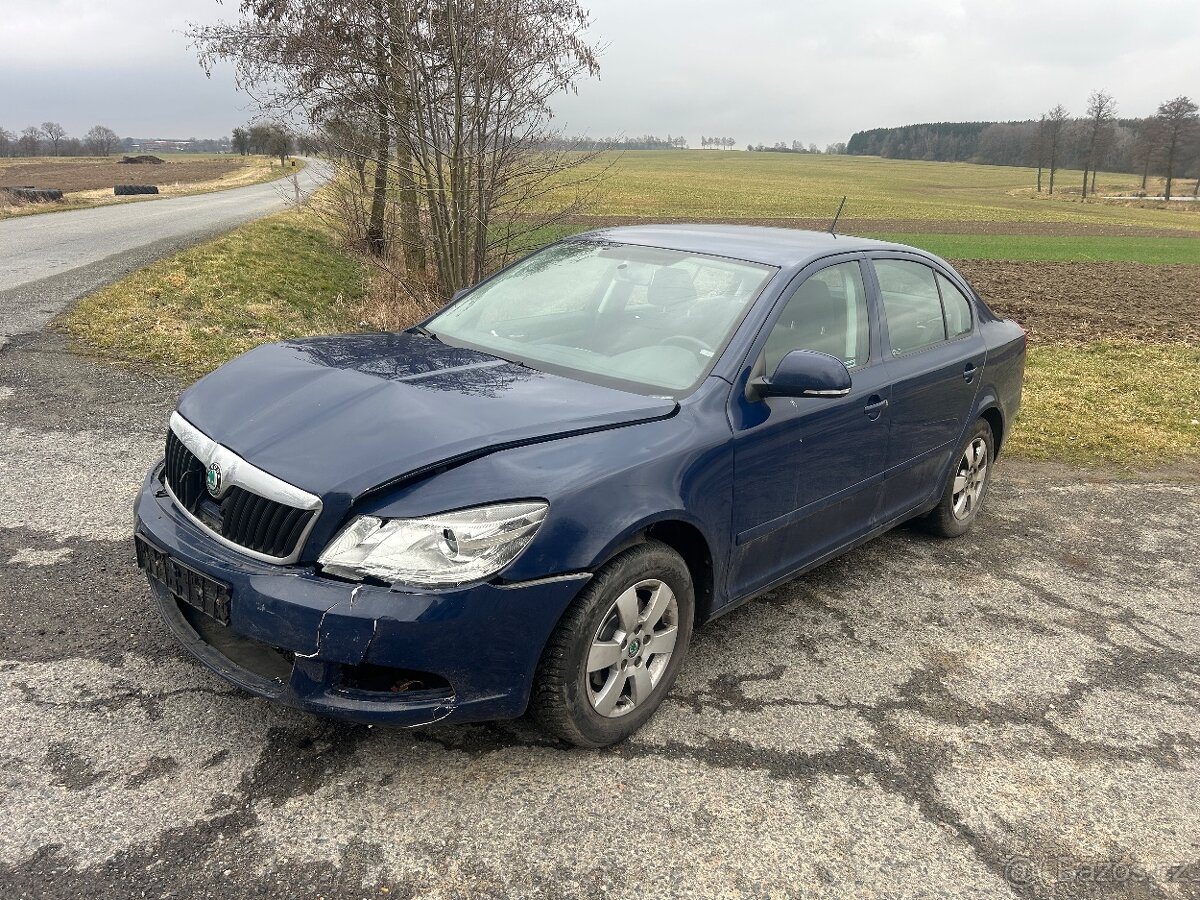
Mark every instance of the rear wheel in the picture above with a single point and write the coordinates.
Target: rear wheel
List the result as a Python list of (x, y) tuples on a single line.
[(969, 480), (618, 648)]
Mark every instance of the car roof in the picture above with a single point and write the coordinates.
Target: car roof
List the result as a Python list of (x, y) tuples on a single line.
[(782, 247)]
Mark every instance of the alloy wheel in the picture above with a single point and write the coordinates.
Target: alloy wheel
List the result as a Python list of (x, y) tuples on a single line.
[(969, 479), (632, 648)]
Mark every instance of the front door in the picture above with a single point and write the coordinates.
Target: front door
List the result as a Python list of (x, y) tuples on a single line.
[(806, 469)]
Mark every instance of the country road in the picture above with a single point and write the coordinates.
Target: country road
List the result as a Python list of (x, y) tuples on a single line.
[(1014, 714), (49, 260)]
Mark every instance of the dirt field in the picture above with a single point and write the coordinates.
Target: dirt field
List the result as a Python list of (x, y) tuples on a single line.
[(1073, 303), (86, 174)]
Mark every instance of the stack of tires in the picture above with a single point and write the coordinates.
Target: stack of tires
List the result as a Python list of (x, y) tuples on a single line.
[(128, 190), (32, 194)]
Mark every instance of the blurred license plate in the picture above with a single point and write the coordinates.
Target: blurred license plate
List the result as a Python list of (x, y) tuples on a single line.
[(198, 591)]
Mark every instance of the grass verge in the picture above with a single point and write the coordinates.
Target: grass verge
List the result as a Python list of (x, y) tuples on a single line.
[(1108, 403), (279, 277)]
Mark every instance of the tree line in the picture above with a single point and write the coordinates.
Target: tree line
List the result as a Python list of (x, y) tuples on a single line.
[(586, 143), (264, 139), (51, 139), (793, 147), (1166, 144)]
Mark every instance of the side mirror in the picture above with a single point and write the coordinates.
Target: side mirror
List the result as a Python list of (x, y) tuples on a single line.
[(805, 373), (458, 295)]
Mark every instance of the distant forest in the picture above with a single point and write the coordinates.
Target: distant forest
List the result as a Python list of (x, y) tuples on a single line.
[(1003, 143)]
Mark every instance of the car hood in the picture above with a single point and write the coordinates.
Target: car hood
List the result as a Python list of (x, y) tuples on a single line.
[(345, 414)]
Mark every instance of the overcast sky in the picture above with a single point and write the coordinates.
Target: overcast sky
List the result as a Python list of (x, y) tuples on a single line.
[(756, 70)]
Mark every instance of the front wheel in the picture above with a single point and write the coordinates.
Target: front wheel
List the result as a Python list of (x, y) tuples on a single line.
[(618, 648), (967, 486)]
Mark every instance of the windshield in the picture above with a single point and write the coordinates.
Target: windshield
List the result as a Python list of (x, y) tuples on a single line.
[(646, 316)]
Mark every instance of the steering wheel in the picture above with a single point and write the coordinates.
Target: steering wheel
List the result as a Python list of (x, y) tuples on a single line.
[(687, 342)]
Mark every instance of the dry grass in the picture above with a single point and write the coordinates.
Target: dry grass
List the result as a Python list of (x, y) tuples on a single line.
[(1114, 403), (279, 277)]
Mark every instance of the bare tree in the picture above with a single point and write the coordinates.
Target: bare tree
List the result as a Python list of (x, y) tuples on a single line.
[(1101, 110), (450, 102), (7, 142), (54, 133), (1039, 148), (278, 143), (1056, 119), (1175, 126), (101, 140), (30, 141)]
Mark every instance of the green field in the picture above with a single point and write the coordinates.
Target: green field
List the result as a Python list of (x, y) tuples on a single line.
[(1056, 248), (1043, 248), (707, 184)]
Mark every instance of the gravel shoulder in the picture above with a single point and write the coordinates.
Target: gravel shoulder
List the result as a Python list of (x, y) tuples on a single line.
[(1000, 716)]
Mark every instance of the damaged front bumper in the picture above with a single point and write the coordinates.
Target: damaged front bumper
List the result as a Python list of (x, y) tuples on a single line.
[(359, 652)]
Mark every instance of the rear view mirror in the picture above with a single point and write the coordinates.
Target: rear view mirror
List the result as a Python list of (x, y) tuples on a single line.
[(806, 373)]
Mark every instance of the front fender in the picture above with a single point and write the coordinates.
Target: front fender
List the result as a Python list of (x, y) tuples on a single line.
[(602, 488)]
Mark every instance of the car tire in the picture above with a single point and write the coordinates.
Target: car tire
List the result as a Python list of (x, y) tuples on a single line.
[(967, 486), (628, 679)]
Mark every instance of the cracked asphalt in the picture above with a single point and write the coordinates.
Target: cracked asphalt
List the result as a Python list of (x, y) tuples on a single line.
[(1013, 714)]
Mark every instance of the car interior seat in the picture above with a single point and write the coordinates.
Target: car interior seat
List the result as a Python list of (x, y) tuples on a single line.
[(813, 319)]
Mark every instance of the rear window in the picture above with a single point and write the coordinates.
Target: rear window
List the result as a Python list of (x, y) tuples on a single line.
[(911, 303), (956, 306)]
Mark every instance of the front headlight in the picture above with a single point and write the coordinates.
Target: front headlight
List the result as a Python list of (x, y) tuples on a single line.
[(442, 550)]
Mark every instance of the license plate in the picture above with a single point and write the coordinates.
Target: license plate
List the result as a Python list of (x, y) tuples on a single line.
[(198, 591)]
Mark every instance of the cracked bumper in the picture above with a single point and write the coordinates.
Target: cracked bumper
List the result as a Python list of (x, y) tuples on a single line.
[(485, 640)]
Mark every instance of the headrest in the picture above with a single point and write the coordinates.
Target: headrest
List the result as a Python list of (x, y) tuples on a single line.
[(671, 287)]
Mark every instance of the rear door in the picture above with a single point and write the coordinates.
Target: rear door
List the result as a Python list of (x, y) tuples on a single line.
[(806, 469), (935, 355)]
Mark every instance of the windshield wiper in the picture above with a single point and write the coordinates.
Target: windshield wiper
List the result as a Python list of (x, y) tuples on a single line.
[(425, 332)]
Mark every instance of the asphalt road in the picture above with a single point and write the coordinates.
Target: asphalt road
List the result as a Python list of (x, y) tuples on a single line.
[(1013, 714), (49, 260)]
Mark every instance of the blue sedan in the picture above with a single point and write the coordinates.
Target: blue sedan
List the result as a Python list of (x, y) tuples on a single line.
[(528, 502)]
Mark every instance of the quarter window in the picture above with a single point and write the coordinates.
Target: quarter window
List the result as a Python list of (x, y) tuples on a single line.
[(911, 303), (957, 307), (828, 312)]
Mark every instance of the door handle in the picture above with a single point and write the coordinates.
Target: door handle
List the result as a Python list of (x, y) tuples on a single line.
[(969, 372), (876, 407)]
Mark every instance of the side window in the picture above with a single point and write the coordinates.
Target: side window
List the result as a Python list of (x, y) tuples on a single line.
[(957, 307), (828, 312), (911, 303)]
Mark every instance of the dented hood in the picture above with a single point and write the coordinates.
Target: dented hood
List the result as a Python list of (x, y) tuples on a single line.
[(344, 414)]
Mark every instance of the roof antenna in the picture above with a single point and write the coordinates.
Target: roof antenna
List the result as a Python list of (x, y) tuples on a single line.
[(838, 215)]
